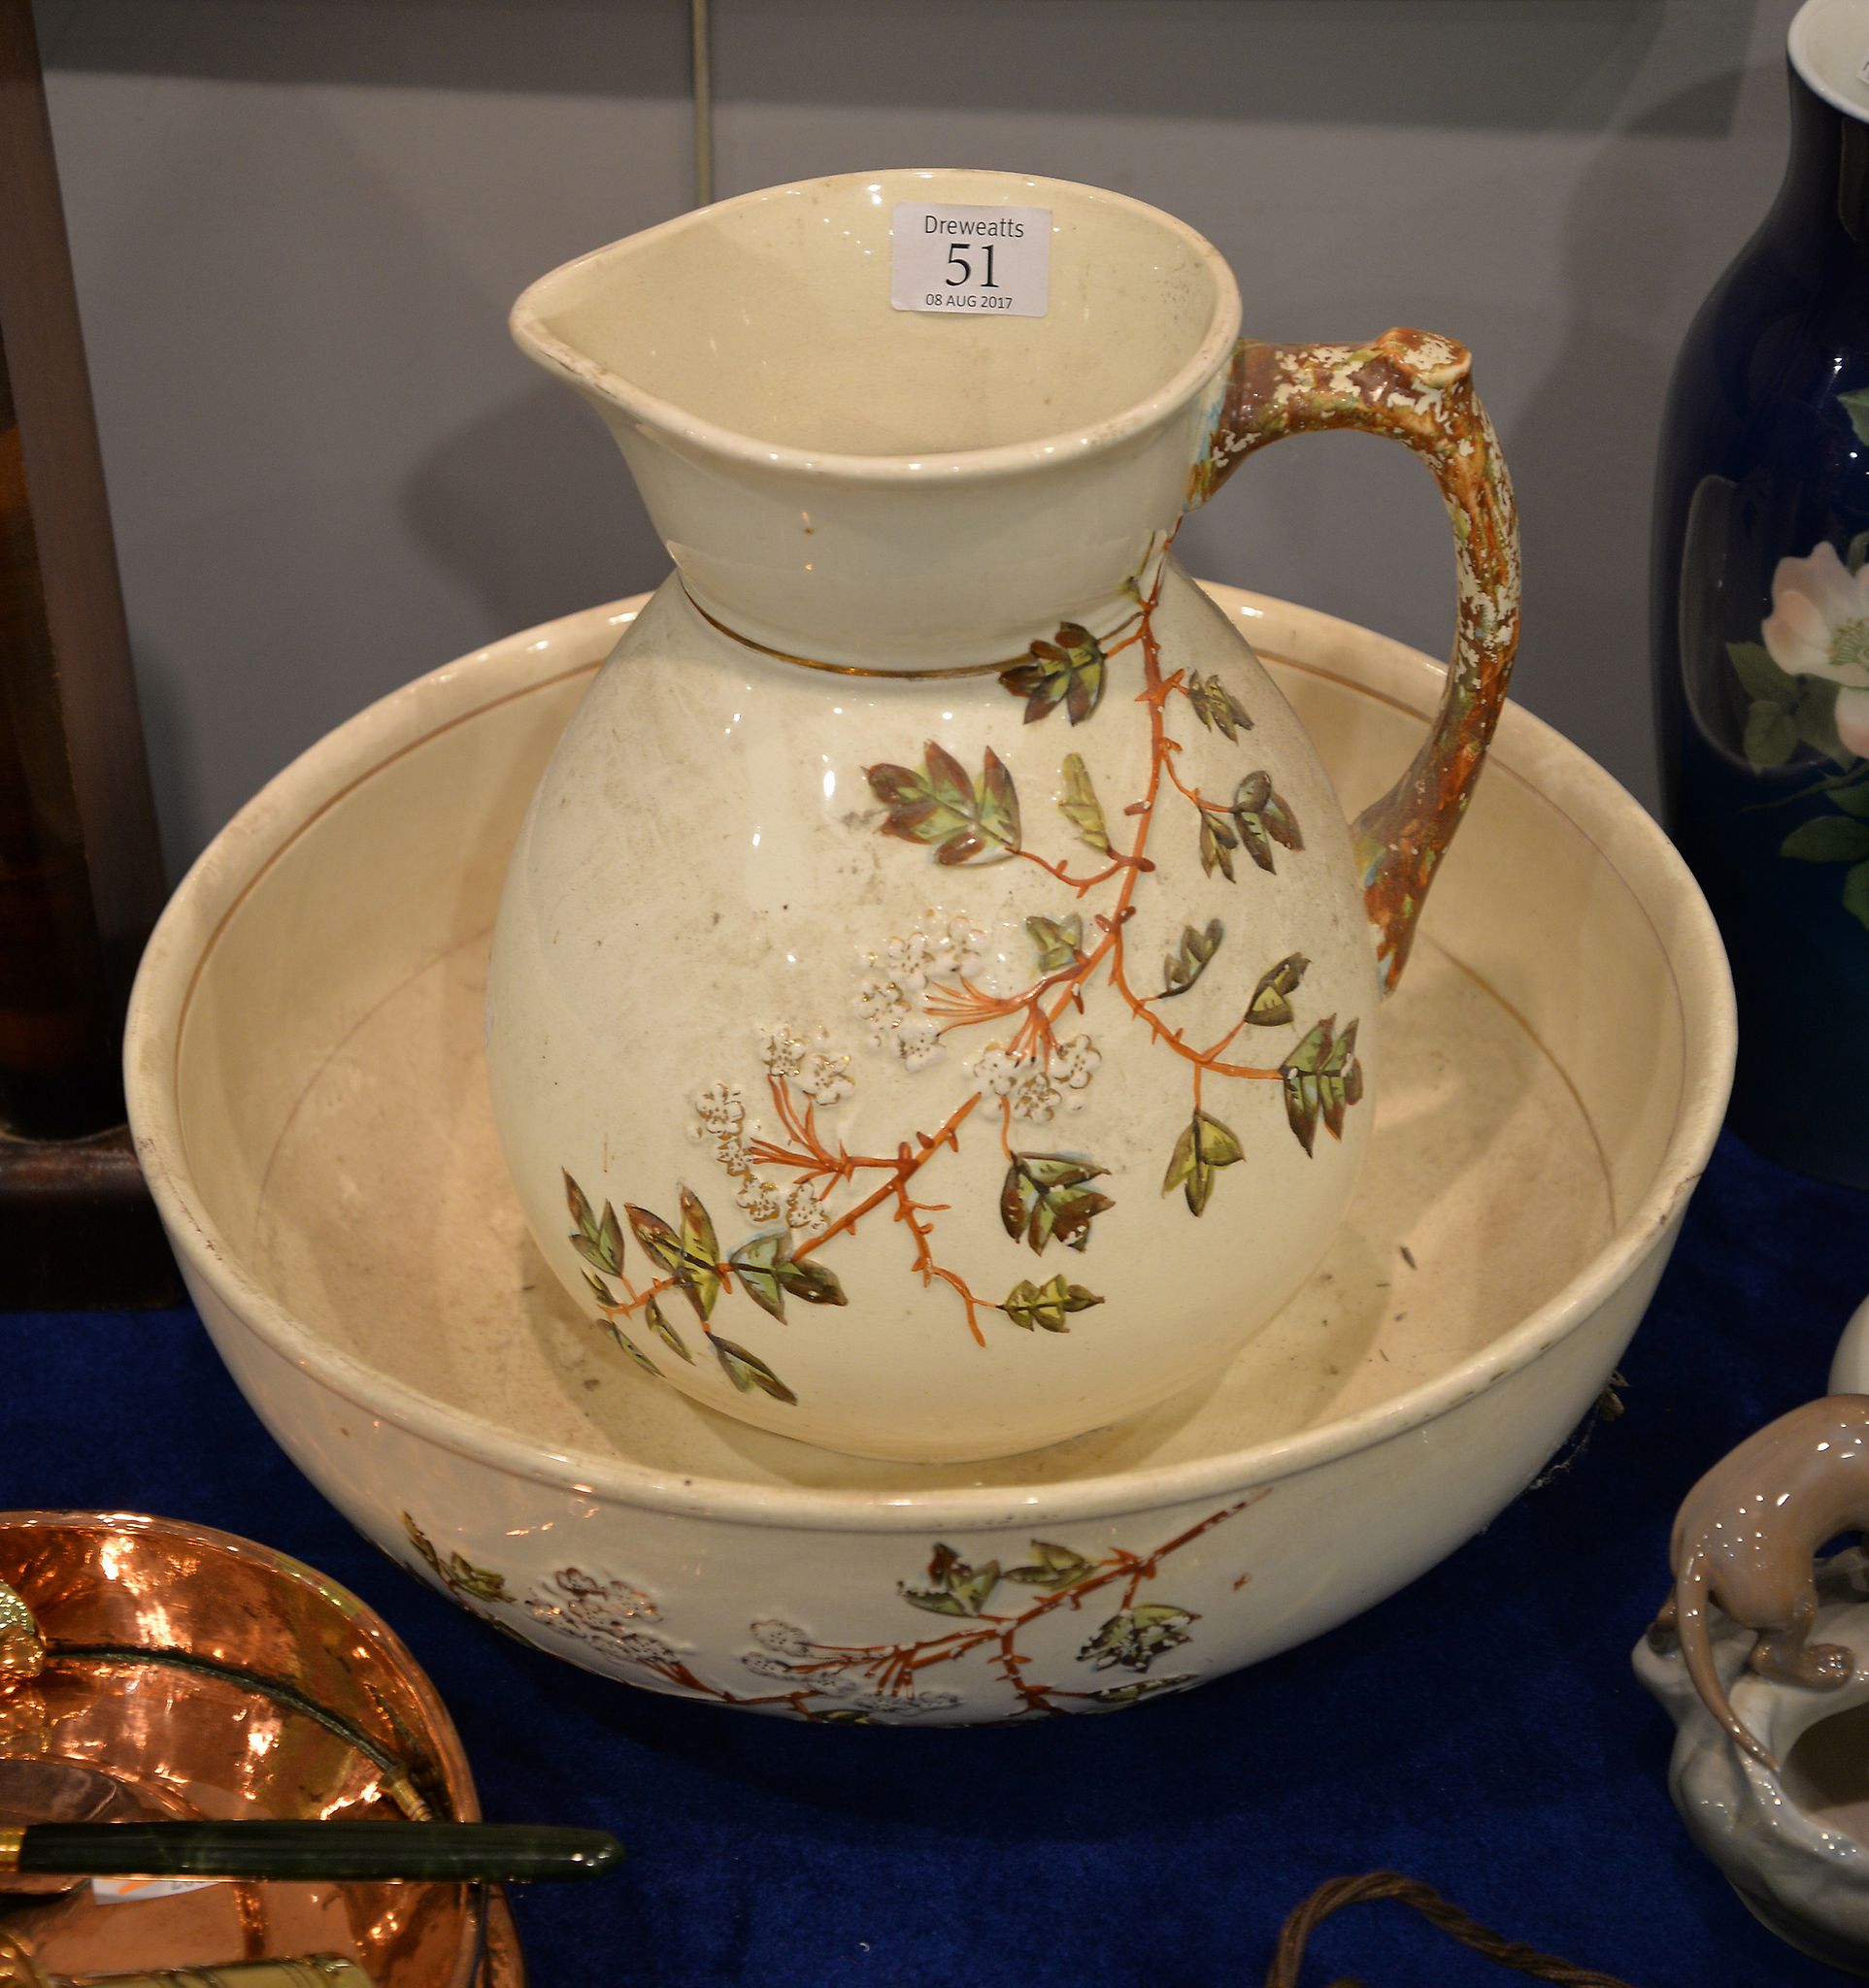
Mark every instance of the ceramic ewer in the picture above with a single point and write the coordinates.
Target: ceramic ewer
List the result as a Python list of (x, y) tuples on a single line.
[(932, 1006), (1760, 610), (1761, 1658)]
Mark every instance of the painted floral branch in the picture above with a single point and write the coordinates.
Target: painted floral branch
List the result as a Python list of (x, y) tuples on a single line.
[(965, 818), (851, 1683), (1806, 688), (842, 1682)]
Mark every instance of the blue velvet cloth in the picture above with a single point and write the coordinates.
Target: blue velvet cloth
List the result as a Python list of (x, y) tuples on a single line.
[(1482, 1730)]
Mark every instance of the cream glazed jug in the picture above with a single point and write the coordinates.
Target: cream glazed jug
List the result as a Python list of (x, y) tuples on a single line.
[(932, 1006)]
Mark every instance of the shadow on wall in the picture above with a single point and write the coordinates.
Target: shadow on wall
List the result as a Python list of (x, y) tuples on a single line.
[(1484, 64), (184, 815), (1583, 449), (289, 557)]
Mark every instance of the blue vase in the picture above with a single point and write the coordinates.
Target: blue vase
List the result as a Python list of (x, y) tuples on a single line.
[(1761, 618)]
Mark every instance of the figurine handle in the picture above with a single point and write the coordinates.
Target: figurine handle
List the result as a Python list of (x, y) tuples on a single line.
[(1418, 388)]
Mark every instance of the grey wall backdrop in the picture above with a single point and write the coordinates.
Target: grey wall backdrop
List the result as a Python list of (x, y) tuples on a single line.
[(299, 224)]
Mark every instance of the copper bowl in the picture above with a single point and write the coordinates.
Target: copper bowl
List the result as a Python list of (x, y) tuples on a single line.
[(210, 1677)]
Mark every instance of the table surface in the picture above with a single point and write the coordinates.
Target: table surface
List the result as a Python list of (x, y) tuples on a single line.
[(1482, 1730)]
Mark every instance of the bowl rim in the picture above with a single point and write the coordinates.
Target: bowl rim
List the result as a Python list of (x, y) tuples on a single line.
[(530, 661)]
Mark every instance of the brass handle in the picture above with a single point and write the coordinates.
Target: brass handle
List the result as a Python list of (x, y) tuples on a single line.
[(1418, 388), (22, 1649), (18, 1969)]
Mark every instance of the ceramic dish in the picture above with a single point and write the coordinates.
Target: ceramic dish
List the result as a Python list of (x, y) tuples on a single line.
[(1849, 1364), (1793, 1839), (307, 1091), (146, 1622)]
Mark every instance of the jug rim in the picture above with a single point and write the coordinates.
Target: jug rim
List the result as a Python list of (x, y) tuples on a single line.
[(527, 323)]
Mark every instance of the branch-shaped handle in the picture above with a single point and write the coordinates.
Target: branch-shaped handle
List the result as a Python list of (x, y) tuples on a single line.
[(1415, 387)]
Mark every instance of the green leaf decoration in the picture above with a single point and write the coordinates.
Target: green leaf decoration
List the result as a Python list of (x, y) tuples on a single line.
[(956, 1589), (1205, 1146), (691, 1258), (1827, 839), (957, 816), (1815, 718), (1217, 843), (1079, 805), (809, 1282), (1851, 800), (600, 1243), (1053, 1568), (1322, 1078), (1215, 706), (1784, 709), (1137, 1637), (629, 1346), (1182, 968), (1264, 819), (599, 1287), (1271, 1004), (755, 1263), (1760, 677), (456, 1573), (657, 1322), (1855, 893), (1855, 404), (746, 1371), (1068, 670), (935, 1602), (1059, 941), (1045, 1305), (1113, 1697), (768, 1273), (481, 1583), (1047, 1195), (1771, 735)]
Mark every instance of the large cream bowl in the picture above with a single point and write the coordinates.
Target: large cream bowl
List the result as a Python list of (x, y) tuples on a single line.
[(306, 1089)]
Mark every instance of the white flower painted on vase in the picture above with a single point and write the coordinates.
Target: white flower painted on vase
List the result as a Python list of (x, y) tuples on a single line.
[(795, 1067), (804, 1212), (943, 956), (918, 1042), (729, 1147), (607, 1613), (780, 1049), (758, 1198), (825, 1079), (1819, 626), (883, 1007), (720, 1108), (1022, 1081), (1072, 1066)]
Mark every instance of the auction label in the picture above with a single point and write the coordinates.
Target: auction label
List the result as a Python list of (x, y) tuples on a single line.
[(973, 261)]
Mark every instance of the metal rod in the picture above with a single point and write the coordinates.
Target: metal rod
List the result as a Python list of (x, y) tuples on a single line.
[(504, 1853), (703, 73)]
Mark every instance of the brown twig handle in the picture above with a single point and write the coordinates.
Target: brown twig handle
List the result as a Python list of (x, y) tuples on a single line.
[(1418, 388), (1374, 1885)]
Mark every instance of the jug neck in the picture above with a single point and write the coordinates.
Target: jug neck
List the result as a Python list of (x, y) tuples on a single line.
[(845, 477), (1822, 205), (913, 575)]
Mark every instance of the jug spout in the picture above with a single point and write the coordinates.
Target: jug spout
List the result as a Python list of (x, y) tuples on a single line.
[(842, 480)]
